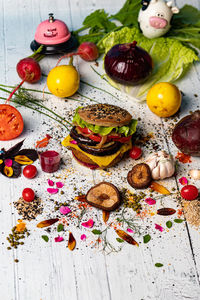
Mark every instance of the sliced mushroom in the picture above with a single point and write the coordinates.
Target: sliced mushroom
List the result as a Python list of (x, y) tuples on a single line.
[(104, 196)]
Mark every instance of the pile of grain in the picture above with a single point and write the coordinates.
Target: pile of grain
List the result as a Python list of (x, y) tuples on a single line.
[(28, 210), (192, 212)]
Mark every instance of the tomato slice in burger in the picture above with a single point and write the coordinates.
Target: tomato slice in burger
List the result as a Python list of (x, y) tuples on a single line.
[(95, 138), (120, 139), (11, 122), (84, 130)]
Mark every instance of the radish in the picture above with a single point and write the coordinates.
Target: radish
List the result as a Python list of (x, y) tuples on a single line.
[(28, 70), (87, 51)]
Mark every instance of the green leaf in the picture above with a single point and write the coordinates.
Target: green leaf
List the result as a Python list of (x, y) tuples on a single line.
[(158, 265), (60, 227), (45, 238), (169, 224), (119, 240), (96, 231), (126, 130), (178, 221), (128, 14), (146, 238)]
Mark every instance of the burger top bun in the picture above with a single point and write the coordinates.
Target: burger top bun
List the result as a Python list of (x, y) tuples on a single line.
[(105, 115)]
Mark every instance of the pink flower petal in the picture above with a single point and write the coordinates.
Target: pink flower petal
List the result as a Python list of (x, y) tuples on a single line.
[(59, 184), (150, 201), (8, 162), (59, 239), (88, 224), (130, 230), (158, 227), (183, 181), (64, 210), (52, 191), (83, 237), (73, 142), (50, 182)]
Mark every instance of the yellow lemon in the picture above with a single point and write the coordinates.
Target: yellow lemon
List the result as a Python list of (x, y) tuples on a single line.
[(164, 99), (63, 81)]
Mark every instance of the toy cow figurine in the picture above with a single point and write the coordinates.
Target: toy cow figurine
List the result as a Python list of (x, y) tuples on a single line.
[(155, 16)]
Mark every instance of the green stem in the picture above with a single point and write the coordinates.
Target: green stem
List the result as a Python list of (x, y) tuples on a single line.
[(35, 102), (35, 109), (98, 88), (37, 54), (102, 76), (87, 97), (25, 89), (80, 29)]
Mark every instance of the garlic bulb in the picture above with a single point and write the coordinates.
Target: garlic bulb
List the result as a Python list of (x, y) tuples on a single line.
[(162, 165), (195, 174)]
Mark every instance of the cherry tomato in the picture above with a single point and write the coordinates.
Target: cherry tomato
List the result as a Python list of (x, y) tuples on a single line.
[(11, 122), (30, 171), (135, 152), (28, 195), (189, 192)]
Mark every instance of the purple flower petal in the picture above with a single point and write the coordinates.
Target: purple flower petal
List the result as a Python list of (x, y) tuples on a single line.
[(50, 182), (158, 227), (73, 142), (88, 224), (59, 184), (83, 237), (130, 230), (58, 239), (150, 201), (64, 210), (8, 162), (52, 191)]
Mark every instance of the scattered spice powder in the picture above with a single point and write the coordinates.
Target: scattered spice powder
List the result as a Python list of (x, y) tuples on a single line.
[(28, 210), (183, 158), (192, 212)]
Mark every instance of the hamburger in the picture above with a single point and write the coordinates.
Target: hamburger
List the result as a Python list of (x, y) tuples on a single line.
[(101, 135)]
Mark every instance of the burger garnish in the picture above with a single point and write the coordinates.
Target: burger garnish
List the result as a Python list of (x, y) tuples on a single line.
[(102, 134)]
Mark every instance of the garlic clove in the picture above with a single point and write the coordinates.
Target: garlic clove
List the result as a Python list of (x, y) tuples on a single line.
[(195, 174), (155, 173)]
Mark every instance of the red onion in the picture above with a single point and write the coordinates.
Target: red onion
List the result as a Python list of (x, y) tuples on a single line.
[(128, 64)]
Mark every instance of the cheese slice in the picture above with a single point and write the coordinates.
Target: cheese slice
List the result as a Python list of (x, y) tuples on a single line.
[(101, 161)]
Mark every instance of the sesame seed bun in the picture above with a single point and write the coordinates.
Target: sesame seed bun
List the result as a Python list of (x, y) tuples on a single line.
[(105, 115)]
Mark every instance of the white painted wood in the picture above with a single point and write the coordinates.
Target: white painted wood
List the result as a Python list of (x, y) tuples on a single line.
[(49, 271)]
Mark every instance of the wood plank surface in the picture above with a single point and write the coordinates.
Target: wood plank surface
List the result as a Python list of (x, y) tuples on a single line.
[(49, 271)]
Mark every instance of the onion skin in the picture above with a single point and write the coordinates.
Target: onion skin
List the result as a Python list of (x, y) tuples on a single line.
[(186, 134), (128, 64)]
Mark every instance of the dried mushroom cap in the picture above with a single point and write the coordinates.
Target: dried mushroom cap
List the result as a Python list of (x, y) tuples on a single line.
[(140, 176), (104, 196)]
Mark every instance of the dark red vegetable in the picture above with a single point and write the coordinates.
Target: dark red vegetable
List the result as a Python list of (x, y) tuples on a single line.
[(128, 64), (189, 192), (186, 134)]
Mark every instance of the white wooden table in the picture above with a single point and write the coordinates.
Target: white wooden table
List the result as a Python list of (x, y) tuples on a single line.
[(49, 271)]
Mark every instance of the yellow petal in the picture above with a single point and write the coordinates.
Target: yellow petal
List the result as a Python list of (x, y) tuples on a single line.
[(23, 160), (8, 171), (1, 161)]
